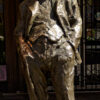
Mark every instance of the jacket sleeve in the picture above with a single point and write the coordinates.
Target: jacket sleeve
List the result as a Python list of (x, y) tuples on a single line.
[(76, 25), (62, 15), (27, 13), (69, 16)]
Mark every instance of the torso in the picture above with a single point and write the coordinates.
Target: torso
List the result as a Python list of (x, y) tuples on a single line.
[(45, 22)]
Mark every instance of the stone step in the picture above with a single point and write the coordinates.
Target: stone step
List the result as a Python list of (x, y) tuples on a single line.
[(24, 96)]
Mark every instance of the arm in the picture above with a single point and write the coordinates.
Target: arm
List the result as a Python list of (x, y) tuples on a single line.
[(69, 17), (76, 25), (62, 15), (27, 13)]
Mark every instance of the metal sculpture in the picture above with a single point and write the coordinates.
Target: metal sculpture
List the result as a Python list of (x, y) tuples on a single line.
[(48, 34)]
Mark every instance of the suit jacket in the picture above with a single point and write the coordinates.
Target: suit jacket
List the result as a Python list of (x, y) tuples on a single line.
[(63, 12)]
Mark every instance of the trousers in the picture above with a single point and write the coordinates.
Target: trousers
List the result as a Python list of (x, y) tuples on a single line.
[(56, 58)]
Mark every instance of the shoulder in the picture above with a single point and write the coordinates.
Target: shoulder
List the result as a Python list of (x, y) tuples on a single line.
[(29, 6), (28, 3)]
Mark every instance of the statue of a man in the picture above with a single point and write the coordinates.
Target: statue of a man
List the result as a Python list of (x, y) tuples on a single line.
[(48, 34)]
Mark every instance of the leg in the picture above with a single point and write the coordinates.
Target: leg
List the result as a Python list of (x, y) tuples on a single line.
[(35, 80), (63, 76)]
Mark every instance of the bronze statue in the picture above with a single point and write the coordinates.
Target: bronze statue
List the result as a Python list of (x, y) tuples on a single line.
[(48, 34)]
